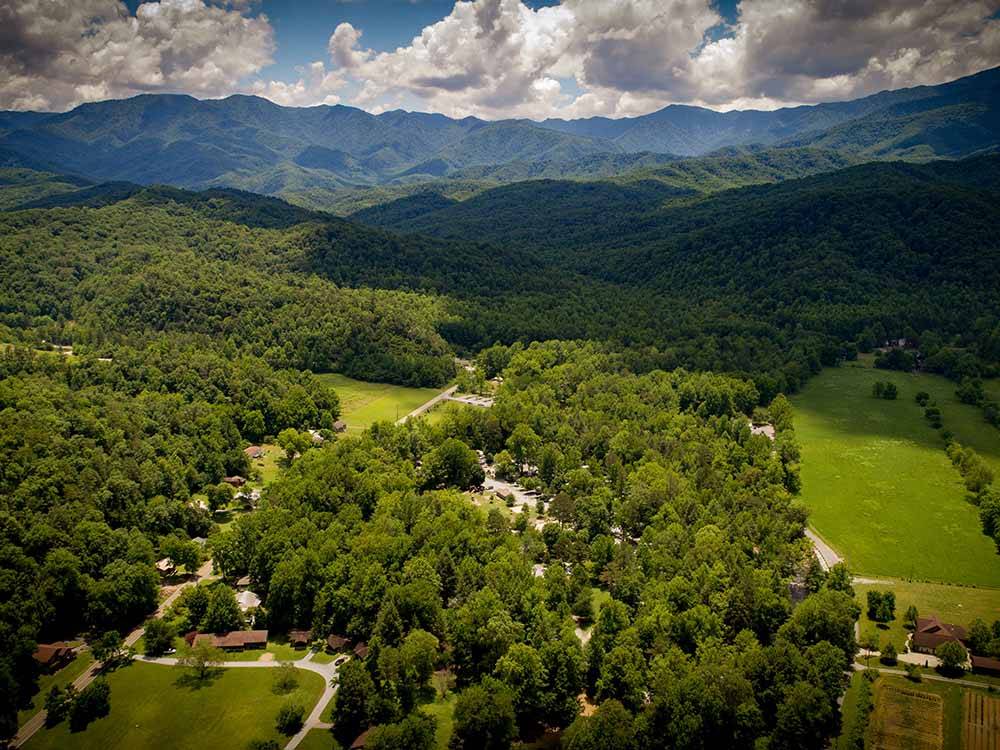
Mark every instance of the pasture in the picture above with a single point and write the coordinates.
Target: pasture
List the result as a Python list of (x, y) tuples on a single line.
[(956, 604), (878, 484), (153, 707), (362, 404)]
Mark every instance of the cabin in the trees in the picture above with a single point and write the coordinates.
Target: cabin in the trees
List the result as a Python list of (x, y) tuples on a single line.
[(237, 640), (165, 566), (317, 439), (931, 633), (337, 642), (51, 657), (234, 481), (254, 452), (340, 426), (361, 650), (361, 741), (299, 638)]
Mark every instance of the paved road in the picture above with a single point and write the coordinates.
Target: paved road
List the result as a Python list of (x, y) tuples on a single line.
[(824, 552), (36, 722), (327, 671), (429, 405)]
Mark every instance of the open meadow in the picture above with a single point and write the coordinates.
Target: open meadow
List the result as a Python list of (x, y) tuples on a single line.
[(955, 604), (362, 404), (876, 480), (153, 707)]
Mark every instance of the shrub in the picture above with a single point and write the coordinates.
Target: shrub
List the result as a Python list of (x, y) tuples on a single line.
[(888, 654), (289, 719)]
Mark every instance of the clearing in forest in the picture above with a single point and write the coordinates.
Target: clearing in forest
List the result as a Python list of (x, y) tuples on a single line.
[(981, 725), (880, 488), (906, 719), (362, 404)]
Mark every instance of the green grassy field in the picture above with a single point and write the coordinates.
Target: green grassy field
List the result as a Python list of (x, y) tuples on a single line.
[(317, 739), (62, 678), (956, 604), (362, 404), (152, 708), (444, 713), (878, 484)]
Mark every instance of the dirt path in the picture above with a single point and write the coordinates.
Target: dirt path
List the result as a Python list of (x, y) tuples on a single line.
[(429, 405), (37, 721)]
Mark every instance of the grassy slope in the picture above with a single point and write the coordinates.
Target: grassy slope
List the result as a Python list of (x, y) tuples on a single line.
[(149, 709), (957, 604), (878, 484), (362, 404)]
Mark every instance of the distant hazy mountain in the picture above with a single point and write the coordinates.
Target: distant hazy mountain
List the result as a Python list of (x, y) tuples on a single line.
[(252, 144)]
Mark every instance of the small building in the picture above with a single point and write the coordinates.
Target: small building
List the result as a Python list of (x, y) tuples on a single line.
[(985, 665), (51, 657), (234, 481), (340, 426), (361, 650), (299, 638), (237, 640), (337, 642), (931, 633), (254, 452), (247, 600), (316, 437), (242, 583), (763, 428), (165, 566), (361, 740)]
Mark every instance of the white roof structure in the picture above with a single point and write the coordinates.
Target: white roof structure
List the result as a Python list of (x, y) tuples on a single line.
[(247, 600)]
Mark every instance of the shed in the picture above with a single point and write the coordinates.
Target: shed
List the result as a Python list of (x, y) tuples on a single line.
[(340, 426), (236, 481), (985, 665), (299, 638)]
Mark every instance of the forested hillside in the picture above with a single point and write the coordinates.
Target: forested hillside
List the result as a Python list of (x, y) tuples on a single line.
[(666, 501), (310, 154)]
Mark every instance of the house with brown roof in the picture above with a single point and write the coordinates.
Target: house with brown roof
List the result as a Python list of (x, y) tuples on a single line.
[(51, 657), (985, 665), (340, 426), (361, 650), (337, 642), (234, 481), (254, 452), (237, 640), (361, 740), (299, 638), (932, 632)]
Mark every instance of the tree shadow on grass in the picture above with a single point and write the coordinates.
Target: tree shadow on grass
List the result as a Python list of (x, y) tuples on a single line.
[(193, 681)]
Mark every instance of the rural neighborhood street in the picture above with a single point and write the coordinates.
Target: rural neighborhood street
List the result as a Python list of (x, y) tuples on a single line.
[(824, 552), (37, 721), (429, 405)]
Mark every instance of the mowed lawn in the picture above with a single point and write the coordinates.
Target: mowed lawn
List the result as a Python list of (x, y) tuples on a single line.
[(151, 708), (956, 604), (362, 404), (878, 484)]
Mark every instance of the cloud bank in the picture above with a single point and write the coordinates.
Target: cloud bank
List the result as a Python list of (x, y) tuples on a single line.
[(501, 58)]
